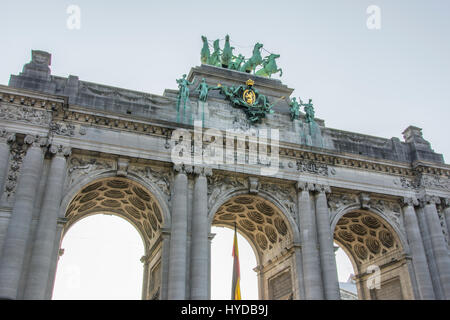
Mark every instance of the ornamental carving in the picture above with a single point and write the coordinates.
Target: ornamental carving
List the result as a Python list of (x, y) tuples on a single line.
[(309, 166), (427, 181), (284, 193), (62, 129), (16, 158), (218, 184), (161, 177), (25, 114), (81, 167)]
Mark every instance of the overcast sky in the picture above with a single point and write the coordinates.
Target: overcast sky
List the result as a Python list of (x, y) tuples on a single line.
[(376, 82)]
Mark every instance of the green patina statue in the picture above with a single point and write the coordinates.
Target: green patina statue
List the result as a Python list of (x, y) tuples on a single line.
[(255, 60), (237, 62), (309, 111), (254, 104), (225, 59), (183, 96), (295, 109), (227, 54), (203, 90), (205, 53), (269, 66), (214, 59)]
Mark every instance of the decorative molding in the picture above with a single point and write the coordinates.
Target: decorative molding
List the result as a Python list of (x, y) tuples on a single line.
[(122, 167), (309, 166), (62, 129), (253, 184)]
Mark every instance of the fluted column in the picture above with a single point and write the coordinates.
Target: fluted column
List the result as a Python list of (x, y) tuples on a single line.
[(44, 243), (327, 256), (416, 246), (178, 235), (310, 253), (14, 248), (438, 244), (5, 139), (199, 242)]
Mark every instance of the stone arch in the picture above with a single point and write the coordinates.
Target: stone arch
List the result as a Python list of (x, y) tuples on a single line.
[(271, 232), (132, 200), (374, 245)]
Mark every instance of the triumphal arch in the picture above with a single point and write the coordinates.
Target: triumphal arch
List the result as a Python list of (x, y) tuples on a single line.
[(229, 147)]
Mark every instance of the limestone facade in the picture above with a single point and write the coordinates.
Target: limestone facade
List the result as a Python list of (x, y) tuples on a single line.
[(70, 149)]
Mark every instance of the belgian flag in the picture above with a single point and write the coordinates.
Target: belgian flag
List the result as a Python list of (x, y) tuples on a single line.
[(236, 288)]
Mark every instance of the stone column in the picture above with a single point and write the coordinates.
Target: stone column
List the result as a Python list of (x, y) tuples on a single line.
[(310, 253), (178, 235), (17, 235), (5, 140), (327, 256), (438, 244), (41, 258), (199, 243), (419, 258), (165, 235)]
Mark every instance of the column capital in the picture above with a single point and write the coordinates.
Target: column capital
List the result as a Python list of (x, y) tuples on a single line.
[(203, 171), (7, 137), (428, 199), (36, 141), (183, 169), (409, 202), (322, 188), (60, 150), (305, 186)]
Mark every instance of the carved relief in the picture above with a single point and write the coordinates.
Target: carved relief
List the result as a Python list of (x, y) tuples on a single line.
[(159, 176), (427, 181), (80, 167), (337, 201), (284, 193), (62, 129), (25, 114), (310, 166), (218, 184), (16, 158)]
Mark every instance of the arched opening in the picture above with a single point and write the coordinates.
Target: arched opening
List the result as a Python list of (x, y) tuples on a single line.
[(377, 256), (346, 274), (131, 201), (269, 234), (100, 265), (222, 265)]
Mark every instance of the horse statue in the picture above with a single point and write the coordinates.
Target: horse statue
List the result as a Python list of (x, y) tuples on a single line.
[(237, 62), (214, 60), (205, 53), (254, 61), (270, 67), (227, 53)]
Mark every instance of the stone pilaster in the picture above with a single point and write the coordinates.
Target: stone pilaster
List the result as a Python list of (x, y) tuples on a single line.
[(17, 235), (310, 253), (325, 235), (41, 258), (178, 235), (416, 247), (199, 239), (438, 243), (6, 138)]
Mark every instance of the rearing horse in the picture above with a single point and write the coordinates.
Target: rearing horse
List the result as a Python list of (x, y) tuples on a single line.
[(270, 67), (205, 53), (254, 61)]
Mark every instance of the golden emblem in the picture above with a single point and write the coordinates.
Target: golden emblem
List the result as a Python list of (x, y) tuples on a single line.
[(249, 95)]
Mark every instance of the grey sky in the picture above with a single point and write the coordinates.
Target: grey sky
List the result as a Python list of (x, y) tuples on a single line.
[(370, 81)]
